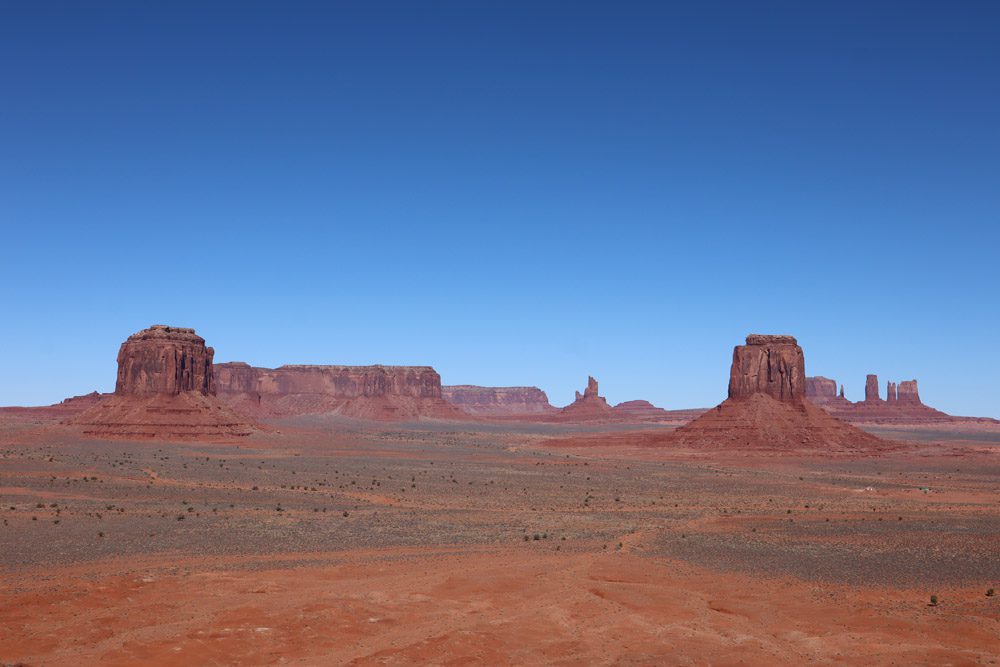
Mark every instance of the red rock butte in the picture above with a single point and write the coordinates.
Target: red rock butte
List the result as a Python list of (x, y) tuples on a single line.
[(902, 404), (164, 360), (771, 365), (588, 406), (165, 389), (767, 411)]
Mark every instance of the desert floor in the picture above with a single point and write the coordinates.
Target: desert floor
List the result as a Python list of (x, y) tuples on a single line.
[(329, 541)]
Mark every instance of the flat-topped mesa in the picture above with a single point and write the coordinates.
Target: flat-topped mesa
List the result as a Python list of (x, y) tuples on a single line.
[(907, 392), (374, 380), (375, 392), (498, 401), (819, 387), (333, 381), (164, 360), (871, 389), (767, 364), (771, 339)]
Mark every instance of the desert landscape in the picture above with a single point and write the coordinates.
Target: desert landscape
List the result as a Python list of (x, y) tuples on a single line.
[(451, 333), (350, 515)]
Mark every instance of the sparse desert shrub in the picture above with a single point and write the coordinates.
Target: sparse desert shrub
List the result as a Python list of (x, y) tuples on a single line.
[(934, 601), (990, 592)]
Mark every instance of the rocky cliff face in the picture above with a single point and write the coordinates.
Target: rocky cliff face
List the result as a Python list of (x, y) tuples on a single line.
[(772, 365), (376, 392), (819, 387), (767, 409), (902, 405), (908, 392), (498, 401), (164, 360), (871, 389), (165, 389)]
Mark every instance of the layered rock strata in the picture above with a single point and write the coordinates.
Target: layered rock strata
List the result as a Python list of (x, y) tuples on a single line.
[(368, 392), (871, 389), (767, 409), (902, 405), (498, 401), (771, 365), (820, 388), (165, 389)]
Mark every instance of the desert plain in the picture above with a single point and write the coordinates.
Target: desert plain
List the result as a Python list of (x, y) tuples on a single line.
[(322, 540)]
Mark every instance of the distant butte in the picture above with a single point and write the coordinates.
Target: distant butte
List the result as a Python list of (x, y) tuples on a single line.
[(902, 404), (588, 406), (165, 389), (767, 410)]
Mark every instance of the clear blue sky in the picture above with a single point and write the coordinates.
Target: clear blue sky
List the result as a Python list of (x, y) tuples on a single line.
[(514, 193)]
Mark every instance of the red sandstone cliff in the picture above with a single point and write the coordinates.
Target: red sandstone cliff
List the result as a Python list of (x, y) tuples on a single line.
[(820, 388), (767, 409), (902, 405), (498, 401), (771, 365), (367, 392), (871, 389), (165, 389)]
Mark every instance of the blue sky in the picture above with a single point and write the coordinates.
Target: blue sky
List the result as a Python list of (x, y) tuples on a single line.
[(514, 193)]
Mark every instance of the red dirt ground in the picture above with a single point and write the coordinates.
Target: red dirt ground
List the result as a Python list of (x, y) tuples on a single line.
[(330, 541)]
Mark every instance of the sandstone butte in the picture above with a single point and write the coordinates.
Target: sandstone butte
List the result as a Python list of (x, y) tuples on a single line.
[(386, 393), (165, 389), (902, 404), (532, 404), (767, 408), (498, 401), (766, 412), (588, 406)]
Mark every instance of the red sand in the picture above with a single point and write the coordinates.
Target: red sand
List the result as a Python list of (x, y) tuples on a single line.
[(483, 608), (341, 542)]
